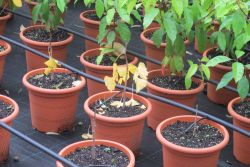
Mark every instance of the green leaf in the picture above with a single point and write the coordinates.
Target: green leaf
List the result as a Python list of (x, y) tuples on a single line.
[(35, 12), (99, 59), (238, 71), (201, 38), (137, 15), (131, 5), (243, 87), (188, 16), (204, 59), (238, 22), (124, 15), (222, 41), (217, 60), (99, 8), (102, 30), (191, 71), (178, 63), (239, 53), (157, 37), (225, 80), (149, 17), (165, 61), (110, 15), (247, 66), (178, 6), (124, 32), (179, 46), (206, 71), (61, 4), (170, 28), (111, 37)]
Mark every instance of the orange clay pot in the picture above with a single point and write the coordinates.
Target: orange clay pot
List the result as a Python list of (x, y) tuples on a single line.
[(99, 71), (152, 51), (241, 143), (91, 28), (34, 61), (5, 135), (89, 143), (221, 96), (178, 156), (3, 21), (3, 55), (216, 25), (52, 110), (162, 111), (127, 131)]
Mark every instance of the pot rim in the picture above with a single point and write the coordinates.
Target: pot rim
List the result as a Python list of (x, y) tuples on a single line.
[(176, 92), (86, 20), (134, 118), (187, 150), (7, 47), (109, 143), (15, 112), (100, 67), (31, 87), (7, 17), (234, 114), (150, 42), (219, 66), (32, 42)]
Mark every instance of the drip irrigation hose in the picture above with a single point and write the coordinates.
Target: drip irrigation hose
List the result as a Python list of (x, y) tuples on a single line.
[(37, 145), (145, 94), (141, 56)]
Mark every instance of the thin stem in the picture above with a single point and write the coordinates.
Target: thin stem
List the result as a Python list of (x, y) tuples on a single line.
[(126, 78)]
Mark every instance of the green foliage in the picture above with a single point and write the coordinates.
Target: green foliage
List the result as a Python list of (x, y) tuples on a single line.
[(49, 12)]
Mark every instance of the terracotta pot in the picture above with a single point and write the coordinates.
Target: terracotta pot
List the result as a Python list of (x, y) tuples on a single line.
[(34, 61), (152, 51), (99, 71), (91, 28), (178, 156), (52, 110), (221, 96), (3, 21), (162, 111), (240, 142), (3, 55), (89, 143), (127, 131), (5, 135)]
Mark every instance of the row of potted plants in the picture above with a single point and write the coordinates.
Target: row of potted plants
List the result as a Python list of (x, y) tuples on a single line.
[(113, 64)]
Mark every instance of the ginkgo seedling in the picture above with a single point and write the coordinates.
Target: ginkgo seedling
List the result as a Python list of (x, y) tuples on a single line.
[(51, 65)]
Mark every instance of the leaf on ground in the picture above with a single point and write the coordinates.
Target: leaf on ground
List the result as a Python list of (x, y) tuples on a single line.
[(38, 76), (76, 83), (22, 28), (132, 102), (52, 133), (143, 107), (87, 136), (117, 104)]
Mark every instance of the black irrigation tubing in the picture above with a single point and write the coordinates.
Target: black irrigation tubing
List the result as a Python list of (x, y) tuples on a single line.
[(145, 94), (141, 56), (37, 145)]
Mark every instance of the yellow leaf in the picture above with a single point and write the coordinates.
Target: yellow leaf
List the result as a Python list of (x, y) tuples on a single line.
[(117, 104), (115, 74), (51, 65), (142, 71), (122, 71), (119, 49), (140, 84), (110, 83), (17, 3), (87, 136), (132, 102), (132, 68)]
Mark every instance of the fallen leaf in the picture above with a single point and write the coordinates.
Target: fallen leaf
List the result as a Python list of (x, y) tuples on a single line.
[(76, 83), (22, 28), (132, 102), (52, 133), (117, 104), (143, 107), (38, 76), (87, 136)]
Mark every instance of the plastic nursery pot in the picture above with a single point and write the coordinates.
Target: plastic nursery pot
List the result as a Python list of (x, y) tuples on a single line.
[(127, 131), (99, 71), (162, 111), (34, 61), (3, 55), (52, 110), (4, 134), (221, 96), (151, 50), (241, 143), (178, 156), (89, 143), (91, 28), (216, 25), (3, 20)]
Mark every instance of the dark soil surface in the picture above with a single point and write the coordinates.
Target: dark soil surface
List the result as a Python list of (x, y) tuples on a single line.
[(53, 80), (104, 156), (245, 59), (92, 16), (205, 135), (171, 82), (2, 48), (113, 111), (5, 109), (107, 60), (243, 108), (42, 35)]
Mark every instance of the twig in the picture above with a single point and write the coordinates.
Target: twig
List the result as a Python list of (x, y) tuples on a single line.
[(114, 95), (194, 123)]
